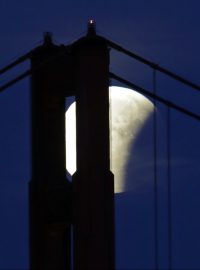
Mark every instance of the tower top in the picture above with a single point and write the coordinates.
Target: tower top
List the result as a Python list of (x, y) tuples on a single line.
[(91, 28), (48, 38)]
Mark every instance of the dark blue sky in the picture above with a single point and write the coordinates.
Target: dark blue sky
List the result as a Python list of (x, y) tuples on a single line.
[(166, 32)]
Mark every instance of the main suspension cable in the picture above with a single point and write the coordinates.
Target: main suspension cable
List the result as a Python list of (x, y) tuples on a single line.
[(15, 63), (153, 65), (15, 80), (158, 98), (30, 71)]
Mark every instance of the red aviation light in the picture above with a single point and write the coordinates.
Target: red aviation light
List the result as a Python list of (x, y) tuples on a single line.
[(91, 27), (91, 22)]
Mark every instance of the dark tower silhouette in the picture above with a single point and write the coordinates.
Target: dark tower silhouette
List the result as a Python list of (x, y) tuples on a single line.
[(81, 70), (93, 182), (49, 188)]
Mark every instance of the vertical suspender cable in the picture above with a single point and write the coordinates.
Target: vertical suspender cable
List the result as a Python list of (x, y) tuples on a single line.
[(110, 123), (156, 242), (169, 198)]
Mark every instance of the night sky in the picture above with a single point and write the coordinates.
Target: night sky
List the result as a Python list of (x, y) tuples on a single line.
[(165, 32)]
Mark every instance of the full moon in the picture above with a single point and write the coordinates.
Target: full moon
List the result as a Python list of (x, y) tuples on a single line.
[(129, 111)]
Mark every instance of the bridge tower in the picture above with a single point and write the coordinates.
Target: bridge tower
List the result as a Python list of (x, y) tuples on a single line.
[(50, 191), (81, 70), (93, 182)]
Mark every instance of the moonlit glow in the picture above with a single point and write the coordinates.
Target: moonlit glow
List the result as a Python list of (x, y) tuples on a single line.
[(128, 112), (70, 134)]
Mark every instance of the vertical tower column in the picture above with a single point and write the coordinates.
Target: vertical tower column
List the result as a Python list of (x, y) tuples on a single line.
[(49, 188), (93, 185)]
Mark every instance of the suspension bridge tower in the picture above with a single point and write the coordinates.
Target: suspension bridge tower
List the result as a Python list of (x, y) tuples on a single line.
[(93, 181), (77, 215)]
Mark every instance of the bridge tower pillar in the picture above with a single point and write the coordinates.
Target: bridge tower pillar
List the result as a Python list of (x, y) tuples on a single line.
[(93, 185), (50, 191)]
